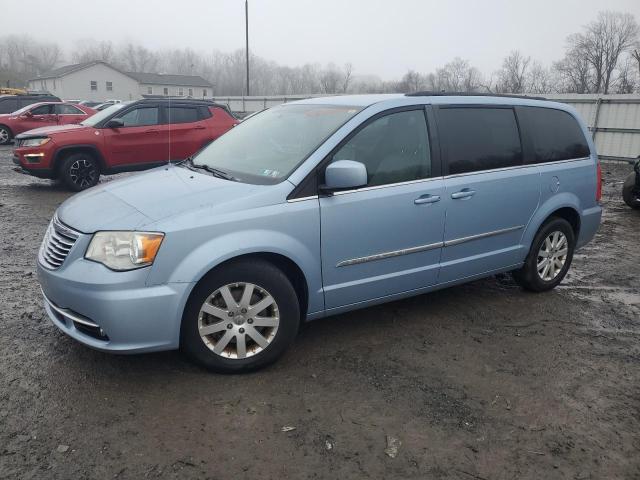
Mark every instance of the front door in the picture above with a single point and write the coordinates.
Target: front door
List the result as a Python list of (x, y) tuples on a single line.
[(140, 141), (490, 193), (385, 238), (40, 116)]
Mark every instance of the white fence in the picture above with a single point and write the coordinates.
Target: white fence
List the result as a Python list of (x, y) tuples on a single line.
[(614, 120)]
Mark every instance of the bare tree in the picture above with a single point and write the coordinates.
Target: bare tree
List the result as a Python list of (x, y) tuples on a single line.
[(90, 51), (136, 58), (512, 77), (541, 79), (348, 69), (627, 77), (574, 70), (603, 42)]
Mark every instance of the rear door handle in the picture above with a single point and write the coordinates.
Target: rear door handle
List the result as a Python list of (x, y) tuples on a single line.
[(426, 199), (199, 127), (464, 193)]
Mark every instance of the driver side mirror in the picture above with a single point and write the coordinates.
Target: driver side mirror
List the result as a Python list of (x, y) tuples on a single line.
[(115, 123), (28, 114), (344, 174)]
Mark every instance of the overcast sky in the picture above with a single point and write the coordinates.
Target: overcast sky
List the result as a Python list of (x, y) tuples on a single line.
[(382, 37)]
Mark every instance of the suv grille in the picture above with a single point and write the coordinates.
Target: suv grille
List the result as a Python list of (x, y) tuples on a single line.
[(56, 244)]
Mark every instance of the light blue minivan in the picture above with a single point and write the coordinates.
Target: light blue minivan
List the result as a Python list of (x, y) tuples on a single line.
[(318, 207)]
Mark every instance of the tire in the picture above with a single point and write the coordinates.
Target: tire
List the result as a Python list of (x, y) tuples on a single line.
[(5, 135), (218, 348), (629, 194), (79, 171), (529, 277)]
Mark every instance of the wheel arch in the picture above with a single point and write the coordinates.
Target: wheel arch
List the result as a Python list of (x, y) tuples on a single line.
[(63, 152), (566, 206)]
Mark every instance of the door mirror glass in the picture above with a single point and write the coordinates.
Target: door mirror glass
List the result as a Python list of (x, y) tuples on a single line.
[(343, 174), (115, 123)]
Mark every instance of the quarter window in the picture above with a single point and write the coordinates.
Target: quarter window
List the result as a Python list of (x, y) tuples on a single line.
[(140, 117), (394, 148), (182, 114), (479, 138), (63, 109), (555, 134), (94, 85), (109, 86)]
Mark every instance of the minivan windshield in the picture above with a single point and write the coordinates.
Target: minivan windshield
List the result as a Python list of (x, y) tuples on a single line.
[(93, 120), (267, 147)]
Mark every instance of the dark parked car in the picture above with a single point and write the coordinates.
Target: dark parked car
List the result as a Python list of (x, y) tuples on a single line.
[(631, 188), (11, 103)]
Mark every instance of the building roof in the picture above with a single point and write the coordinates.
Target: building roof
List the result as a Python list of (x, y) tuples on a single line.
[(169, 79), (141, 77)]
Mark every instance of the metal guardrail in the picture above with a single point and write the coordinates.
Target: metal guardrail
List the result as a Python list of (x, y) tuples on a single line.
[(614, 120)]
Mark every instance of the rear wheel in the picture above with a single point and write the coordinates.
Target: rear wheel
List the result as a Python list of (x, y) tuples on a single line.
[(549, 258), (79, 171), (630, 193), (5, 135), (240, 317)]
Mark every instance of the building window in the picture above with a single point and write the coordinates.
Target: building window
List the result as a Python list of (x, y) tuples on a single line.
[(191, 92), (149, 90), (54, 84), (180, 92), (204, 92), (166, 91), (94, 85), (109, 86)]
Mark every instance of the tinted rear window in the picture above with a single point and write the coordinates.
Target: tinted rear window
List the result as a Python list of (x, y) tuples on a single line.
[(555, 134), (477, 138), (182, 114)]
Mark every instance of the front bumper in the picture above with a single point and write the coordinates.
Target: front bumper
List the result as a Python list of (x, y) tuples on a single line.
[(36, 161), (112, 311)]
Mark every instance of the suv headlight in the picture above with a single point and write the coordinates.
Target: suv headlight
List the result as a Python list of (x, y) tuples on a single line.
[(124, 250), (34, 142)]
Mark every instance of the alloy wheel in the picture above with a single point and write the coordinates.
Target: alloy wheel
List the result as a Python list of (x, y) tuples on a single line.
[(83, 173), (238, 320), (552, 256), (4, 136)]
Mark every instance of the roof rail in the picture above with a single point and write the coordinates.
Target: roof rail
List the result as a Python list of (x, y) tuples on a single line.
[(469, 94)]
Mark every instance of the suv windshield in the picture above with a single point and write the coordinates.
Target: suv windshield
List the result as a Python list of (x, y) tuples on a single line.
[(93, 120), (269, 146)]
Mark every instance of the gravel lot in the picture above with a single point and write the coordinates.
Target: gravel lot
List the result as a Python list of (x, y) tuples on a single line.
[(481, 381)]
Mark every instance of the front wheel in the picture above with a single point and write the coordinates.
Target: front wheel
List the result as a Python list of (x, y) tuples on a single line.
[(79, 171), (5, 135), (240, 317), (630, 192), (549, 258)]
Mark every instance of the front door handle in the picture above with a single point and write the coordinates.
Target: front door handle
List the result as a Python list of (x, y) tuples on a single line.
[(464, 193), (151, 131), (426, 199)]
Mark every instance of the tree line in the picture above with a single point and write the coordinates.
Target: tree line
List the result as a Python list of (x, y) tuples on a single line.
[(604, 57)]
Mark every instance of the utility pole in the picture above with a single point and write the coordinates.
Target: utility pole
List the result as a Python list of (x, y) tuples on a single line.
[(246, 21)]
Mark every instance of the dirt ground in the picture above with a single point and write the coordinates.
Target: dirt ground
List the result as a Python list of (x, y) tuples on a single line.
[(481, 381)]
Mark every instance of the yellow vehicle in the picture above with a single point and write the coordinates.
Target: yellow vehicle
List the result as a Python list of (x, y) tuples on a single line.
[(12, 91)]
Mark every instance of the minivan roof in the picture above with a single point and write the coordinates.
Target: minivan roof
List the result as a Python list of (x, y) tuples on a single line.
[(400, 99)]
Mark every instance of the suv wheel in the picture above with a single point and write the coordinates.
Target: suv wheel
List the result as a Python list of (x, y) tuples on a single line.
[(79, 171), (630, 192), (240, 318), (549, 258), (5, 135)]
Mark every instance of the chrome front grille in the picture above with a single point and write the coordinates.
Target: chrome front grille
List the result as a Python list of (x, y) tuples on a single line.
[(56, 244)]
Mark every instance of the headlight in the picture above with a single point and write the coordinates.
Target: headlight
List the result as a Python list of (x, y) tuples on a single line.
[(124, 250), (34, 142)]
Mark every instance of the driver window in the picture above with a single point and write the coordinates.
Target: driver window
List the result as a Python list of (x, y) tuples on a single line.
[(394, 148), (139, 117)]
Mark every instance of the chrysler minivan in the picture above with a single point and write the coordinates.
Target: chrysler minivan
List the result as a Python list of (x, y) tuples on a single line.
[(318, 207)]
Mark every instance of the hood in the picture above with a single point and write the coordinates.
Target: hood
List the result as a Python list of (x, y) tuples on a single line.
[(53, 129), (140, 200)]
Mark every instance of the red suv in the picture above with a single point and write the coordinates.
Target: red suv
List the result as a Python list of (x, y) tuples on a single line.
[(124, 137), (41, 114)]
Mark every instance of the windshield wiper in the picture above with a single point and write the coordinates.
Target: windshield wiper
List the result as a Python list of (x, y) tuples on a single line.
[(212, 170)]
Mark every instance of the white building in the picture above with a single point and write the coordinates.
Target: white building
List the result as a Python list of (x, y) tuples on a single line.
[(101, 81)]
